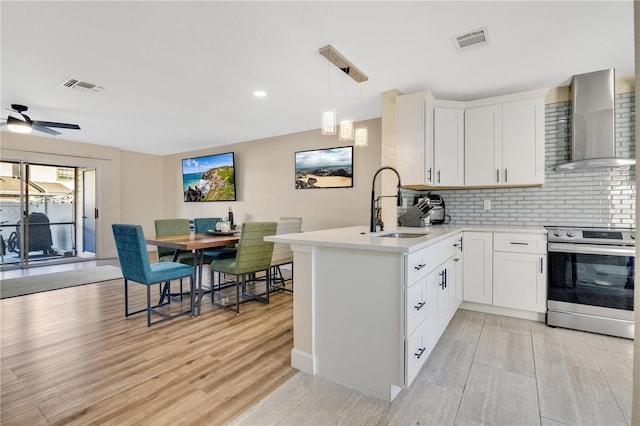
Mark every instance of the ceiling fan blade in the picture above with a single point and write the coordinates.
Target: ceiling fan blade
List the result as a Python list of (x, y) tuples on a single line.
[(40, 128), (58, 125)]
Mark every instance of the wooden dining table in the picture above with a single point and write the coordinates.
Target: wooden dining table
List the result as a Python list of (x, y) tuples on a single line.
[(195, 243)]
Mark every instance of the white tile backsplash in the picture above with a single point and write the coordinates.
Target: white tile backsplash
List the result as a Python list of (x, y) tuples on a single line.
[(591, 198)]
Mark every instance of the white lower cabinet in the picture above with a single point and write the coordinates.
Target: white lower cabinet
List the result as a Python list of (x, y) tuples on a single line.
[(519, 270), (417, 351), (431, 299), (506, 269), (478, 267)]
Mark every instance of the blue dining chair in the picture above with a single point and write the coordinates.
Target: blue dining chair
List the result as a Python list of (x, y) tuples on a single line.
[(203, 224), (135, 265)]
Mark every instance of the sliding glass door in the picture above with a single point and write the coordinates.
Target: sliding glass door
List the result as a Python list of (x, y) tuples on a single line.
[(40, 207)]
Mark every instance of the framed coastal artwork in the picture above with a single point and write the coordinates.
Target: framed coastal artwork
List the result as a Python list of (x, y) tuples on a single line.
[(209, 178), (324, 168)]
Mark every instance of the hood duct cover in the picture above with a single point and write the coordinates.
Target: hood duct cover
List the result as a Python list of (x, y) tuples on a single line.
[(593, 123)]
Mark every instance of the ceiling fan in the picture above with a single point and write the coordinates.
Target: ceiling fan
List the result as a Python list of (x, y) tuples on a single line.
[(19, 122)]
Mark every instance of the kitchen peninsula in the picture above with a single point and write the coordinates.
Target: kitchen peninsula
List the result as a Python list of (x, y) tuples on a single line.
[(370, 307)]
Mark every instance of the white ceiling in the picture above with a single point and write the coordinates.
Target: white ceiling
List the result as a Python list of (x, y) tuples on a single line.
[(179, 76)]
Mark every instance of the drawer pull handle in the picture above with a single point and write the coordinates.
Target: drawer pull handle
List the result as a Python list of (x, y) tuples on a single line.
[(517, 243), (419, 306), (420, 352), (420, 266)]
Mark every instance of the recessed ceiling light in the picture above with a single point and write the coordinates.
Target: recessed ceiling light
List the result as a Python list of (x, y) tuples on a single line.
[(260, 93)]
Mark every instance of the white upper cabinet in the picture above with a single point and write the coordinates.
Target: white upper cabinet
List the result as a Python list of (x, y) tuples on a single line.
[(488, 142), (483, 145), (429, 141), (523, 142), (414, 144), (448, 146), (504, 143)]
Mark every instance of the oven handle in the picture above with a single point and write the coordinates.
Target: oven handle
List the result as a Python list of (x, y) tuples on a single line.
[(591, 249)]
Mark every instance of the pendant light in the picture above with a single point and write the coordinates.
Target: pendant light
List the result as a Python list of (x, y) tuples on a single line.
[(361, 136), (346, 132), (328, 118)]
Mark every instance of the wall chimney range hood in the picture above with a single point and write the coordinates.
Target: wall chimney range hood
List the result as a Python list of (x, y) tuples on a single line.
[(593, 124)]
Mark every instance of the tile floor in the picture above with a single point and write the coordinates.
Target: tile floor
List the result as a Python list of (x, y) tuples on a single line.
[(486, 369)]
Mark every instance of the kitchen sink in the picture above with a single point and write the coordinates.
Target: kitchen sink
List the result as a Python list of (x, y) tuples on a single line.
[(403, 235)]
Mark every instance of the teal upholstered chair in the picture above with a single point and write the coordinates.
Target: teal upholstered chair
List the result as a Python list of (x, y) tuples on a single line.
[(135, 265), (202, 225), (253, 255)]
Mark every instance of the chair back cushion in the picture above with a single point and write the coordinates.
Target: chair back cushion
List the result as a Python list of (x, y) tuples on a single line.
[(282, 253), (204, 224), (165, 227), (254, 253), (132, 252)]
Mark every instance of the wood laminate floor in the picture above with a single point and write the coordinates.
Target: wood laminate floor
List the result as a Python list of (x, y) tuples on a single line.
[(70, 357)]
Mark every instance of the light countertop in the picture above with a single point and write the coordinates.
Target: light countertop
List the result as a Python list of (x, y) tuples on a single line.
[(359, 237)]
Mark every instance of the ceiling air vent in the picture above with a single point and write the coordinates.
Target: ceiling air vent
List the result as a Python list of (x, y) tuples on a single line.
[(471, 39), (82, 86)]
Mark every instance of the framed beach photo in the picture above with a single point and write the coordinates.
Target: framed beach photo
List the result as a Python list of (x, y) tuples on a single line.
[(209, 178), (325, 168)]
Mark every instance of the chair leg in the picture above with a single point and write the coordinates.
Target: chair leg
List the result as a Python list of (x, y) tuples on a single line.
[(268, 283), (238, 294), (148, 306), (126, 298)]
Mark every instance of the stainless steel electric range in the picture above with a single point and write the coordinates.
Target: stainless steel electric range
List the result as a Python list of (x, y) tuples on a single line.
[(590, 282)]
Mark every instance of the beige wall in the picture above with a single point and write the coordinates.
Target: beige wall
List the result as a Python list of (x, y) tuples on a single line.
[(142, 190), (265, 183), (139, 188)]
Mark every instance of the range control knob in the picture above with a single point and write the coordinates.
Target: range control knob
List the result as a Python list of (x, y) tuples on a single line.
[(571, 234), (557, 233)]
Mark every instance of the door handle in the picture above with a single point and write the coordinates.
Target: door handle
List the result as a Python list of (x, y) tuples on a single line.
[(438, 176), (498, 175), (506, 177), (429, 171), (541, 265), (419, 306), (95, 213)]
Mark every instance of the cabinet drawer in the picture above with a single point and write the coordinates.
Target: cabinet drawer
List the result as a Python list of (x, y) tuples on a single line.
[(421, 262), (416, 353), (416, 305), (418, 264), (520, 243)]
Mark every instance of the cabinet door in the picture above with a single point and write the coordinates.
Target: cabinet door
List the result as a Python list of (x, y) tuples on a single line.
[(443, 296), (483, 145), (520, 281), (414, 143), (448, 146), (523, 142), (478, 265), (455, 290), (431, 321)]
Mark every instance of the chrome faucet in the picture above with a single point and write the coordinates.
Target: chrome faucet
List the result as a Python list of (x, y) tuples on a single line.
[(376, 209)]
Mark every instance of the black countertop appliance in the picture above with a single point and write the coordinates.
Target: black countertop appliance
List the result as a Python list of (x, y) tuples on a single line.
[(437, 215)]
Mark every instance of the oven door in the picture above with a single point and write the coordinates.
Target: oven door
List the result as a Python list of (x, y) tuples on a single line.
[(595, 275)]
